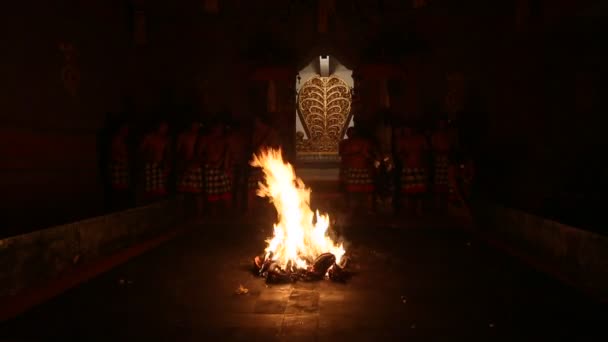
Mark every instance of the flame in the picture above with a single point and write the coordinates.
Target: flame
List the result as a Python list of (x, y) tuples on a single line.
[(300, 235)]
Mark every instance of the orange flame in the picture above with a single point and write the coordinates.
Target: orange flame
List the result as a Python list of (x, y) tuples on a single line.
[(299, 235)]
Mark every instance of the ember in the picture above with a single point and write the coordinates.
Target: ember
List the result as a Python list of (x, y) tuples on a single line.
[(301, 248)]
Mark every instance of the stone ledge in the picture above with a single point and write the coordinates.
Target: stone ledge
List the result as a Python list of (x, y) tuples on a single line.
[(573, 255), (31, 259)]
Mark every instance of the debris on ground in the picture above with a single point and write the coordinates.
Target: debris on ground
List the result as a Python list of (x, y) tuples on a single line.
[(241, 290), (123, 281), (403, 299)]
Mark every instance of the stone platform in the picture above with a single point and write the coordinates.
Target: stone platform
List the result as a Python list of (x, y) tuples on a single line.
[(414, 281)]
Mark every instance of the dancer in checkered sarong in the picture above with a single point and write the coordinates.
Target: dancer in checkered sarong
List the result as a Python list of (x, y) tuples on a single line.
[(264, 136), (442, 164), (441, 148), (217, 184), (214, 151), (413, 180), (460, 179), (358, 180), (119, 175), (119, 168), (256, 176), (238, 156), (190, 170), (156, 179), (356, 159), (412, 147), (154, 147), (191, 180)]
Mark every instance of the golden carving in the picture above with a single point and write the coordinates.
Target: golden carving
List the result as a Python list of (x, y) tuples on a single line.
[(324, 105)]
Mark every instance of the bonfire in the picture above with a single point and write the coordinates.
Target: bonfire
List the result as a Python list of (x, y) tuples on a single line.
[(301, 247)]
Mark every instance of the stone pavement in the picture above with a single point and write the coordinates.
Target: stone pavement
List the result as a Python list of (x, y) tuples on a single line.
[(421, 282)]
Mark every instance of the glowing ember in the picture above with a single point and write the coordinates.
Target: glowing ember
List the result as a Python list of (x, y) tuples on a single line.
[(300, 235)]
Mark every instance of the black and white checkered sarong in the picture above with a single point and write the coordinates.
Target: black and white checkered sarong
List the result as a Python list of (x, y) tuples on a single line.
[(256, 175), (413, 179), (191, 180), (217, 183), (441, 172), (119, 175), (156, 179)]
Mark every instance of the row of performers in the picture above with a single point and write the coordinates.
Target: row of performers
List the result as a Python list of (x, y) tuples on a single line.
[(211, 165), (448, 173)]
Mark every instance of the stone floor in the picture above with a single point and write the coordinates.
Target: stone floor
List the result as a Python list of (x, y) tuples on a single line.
[(421, 281)]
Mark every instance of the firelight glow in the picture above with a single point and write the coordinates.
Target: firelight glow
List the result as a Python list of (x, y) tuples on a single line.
[(300, 235)]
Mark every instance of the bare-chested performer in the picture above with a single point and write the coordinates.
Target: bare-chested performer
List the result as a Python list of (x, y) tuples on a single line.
[(384, 165), (460, 178), (119, 167), (189, 165), (441, 149), (412, 149), (238, 156), (155, 147), (264, 136), (214, 151), (356, 159)]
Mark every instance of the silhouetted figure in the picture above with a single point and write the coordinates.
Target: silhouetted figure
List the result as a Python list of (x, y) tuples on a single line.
[(189, 167), (461, 174), (216, 159), (412, 149), (357, 158), (441, 149), (384, 161), (119, 168), (350, 133), (155, 152), (264, 136), (238, 148)]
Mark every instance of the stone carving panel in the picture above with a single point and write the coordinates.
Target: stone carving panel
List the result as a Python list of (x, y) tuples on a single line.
[(324, 105)]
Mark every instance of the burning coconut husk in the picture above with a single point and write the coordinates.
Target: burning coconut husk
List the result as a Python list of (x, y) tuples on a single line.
[(301, 248)]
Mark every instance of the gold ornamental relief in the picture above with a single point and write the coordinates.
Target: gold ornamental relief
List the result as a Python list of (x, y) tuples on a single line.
[(324, 105)]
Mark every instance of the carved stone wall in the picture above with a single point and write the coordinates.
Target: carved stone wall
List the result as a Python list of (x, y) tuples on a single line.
[(324, 107)]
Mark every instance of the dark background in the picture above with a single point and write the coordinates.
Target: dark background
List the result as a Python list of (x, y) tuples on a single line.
[(534, 117)]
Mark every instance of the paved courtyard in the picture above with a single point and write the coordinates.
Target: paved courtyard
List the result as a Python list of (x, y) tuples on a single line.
[(418, 281)]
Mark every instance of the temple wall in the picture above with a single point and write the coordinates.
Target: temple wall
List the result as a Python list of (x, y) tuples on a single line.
[(542, 148), (575, 256), (531, 123), (48, 138), (29, 261)]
